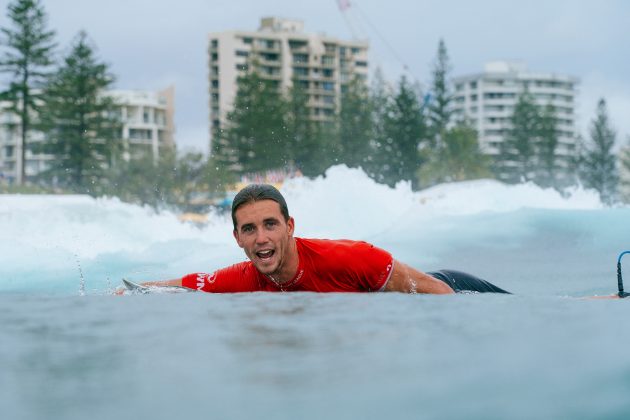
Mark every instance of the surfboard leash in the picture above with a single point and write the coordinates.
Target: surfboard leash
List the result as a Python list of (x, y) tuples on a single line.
[(622, 294)]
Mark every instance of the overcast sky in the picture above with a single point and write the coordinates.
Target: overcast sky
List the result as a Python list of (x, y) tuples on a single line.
[(151, 44)]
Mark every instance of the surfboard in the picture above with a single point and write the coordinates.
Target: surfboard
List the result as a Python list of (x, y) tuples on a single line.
[(135, 287), (138, 288)]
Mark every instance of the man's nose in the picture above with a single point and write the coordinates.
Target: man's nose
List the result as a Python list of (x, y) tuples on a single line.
[(261, 236)]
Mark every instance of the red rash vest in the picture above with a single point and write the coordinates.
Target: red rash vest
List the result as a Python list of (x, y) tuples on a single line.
[(324, 266)]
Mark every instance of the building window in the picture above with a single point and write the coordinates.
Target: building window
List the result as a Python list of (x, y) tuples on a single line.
[(247, 40), (473, 85), (328, 60), (215, 84), (8, 151), (328, 86), (268, 44), (361, 64), (356, 50), (140, 134), (146, 117), (214, 43), (295, 44), (300, 71), (270, 56), (214, 56), (300, 58), (241, 53), (328, 73)]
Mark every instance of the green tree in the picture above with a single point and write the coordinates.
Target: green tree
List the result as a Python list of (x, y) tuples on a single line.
[(598, 163), (305, 144), (459, 158), (27, 57), (377, 161), (355, 124), (144, 180), (182, 182), (517, 156), (82, 130), (440, 111), (405, 129), (625, 164), (255, 137), (548, 170)]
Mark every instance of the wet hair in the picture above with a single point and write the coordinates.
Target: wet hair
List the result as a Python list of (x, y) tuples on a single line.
[(259, 192)]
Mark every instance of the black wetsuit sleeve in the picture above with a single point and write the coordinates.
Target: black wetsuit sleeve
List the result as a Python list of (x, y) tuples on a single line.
[(462, 282)]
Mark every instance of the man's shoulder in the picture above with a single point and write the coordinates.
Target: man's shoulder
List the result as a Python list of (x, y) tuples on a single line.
[(337, 248), (242, 268)]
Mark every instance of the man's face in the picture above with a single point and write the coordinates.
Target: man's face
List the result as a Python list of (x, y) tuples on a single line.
[(264, 235)]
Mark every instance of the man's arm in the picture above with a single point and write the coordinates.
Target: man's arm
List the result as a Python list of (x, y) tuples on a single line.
[(161, 283), (175, 282), (409, 280)]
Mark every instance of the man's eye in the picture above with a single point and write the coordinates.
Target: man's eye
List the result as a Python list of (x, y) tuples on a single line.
[(270, 224), (247, 229)]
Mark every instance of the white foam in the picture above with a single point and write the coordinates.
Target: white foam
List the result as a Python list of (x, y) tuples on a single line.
[(48, 236), (347, 202)]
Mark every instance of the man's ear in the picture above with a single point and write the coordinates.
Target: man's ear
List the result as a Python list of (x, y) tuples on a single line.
[(238, 241), (290, 226)]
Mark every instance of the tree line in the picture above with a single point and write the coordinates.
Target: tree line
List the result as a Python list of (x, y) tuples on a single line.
[(393, 133)]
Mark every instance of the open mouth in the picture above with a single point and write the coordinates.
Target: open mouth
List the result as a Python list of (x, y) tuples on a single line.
[(265, 255)]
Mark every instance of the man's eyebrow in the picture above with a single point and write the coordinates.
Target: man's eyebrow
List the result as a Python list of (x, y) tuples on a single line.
[(270, 219)]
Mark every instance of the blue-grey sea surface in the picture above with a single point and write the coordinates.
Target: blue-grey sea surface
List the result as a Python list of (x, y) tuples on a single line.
[(310, 356), (71, 350)]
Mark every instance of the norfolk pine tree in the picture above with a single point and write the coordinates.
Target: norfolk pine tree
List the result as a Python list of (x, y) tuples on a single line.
[(307, 149), (405, 129), (380, 150), (355, 124), (27, 56), (547, 165), (440, 110), (255, 133), (625, 164), (80, 126), (598, 163), (517, 153), (452, 153)]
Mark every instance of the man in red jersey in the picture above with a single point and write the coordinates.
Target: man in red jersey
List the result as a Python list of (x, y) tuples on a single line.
[(278, 261)]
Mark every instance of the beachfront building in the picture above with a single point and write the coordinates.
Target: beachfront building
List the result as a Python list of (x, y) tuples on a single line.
[(283, 52), (487, 100), (147, 127), (11, 161), (147, 121)]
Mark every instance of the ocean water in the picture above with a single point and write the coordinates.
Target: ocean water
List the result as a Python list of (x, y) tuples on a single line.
[(69, 349)]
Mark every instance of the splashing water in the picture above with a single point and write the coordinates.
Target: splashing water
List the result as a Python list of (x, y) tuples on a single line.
[(524, 237)]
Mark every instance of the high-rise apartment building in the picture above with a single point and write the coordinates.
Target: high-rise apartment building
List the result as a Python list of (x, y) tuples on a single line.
[(283, 52), (487, 100), (147, 126), (147, 120)]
